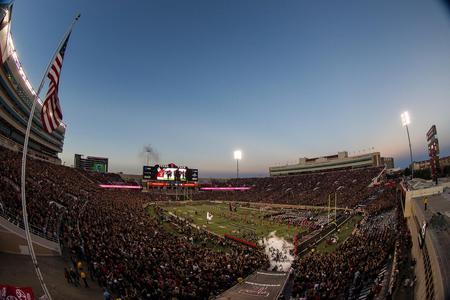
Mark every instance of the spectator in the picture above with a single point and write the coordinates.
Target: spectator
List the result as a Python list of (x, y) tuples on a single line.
[(135, 257), (74, 277), (83, 277), (106, 294), (67, 275)]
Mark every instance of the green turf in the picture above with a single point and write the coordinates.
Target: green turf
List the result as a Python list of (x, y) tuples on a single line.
[(238, 224), (343, 233)]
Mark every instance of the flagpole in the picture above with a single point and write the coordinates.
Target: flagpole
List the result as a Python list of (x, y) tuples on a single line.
[(24, 163)]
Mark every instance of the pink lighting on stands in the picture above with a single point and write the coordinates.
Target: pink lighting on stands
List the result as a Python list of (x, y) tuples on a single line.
[(118, 186), (237, 188)]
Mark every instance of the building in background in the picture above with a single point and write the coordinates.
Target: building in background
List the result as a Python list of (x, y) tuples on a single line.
[(338, 161), (91, 163), (16, 98), (425, 164), (388, 162)]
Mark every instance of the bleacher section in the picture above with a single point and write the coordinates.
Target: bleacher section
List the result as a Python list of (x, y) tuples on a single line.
[(311, 189)]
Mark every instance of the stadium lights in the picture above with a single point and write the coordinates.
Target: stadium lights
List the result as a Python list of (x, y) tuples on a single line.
[(238, 154), (406, 120), (22, 72), (237, 157)]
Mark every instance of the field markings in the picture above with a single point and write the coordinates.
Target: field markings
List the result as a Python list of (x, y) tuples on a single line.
[(271, 274), (244, 219), (262, 284)]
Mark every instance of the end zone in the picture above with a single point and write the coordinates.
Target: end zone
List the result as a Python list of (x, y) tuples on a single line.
[(259, 285)]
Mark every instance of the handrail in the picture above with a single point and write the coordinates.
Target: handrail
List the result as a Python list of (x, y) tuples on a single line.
[(19, 223)]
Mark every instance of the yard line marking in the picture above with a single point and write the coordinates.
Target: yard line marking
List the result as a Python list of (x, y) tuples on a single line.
[(272, 274), (261, 284)]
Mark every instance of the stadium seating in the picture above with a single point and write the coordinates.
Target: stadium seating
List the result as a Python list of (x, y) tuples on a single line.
[(308, 189), (125, 250), (134, 256), (358, 261)]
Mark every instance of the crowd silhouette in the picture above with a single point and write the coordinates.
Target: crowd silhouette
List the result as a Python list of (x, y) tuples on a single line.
[(124, 249), (307, 189), (130, 252), (357, 261)]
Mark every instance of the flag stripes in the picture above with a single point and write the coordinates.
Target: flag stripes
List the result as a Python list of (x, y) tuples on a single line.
[(51, 114)]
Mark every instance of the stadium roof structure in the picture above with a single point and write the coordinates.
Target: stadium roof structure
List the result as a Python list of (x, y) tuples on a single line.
[(15, 57), (260, 285), (341, 160), (17, 97)]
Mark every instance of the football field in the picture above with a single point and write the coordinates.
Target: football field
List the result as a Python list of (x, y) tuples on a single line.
[(246, 223)]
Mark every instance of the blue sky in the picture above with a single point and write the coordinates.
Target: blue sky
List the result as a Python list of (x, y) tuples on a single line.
[(277, 79)]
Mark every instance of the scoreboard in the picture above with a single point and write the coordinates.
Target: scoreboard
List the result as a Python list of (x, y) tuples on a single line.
[(433, 152), (169, 173), (192, 174)]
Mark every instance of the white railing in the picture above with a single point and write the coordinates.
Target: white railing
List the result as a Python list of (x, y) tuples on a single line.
[(33, 229)]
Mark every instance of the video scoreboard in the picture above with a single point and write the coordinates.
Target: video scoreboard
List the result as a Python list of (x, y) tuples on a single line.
[(169, 173)]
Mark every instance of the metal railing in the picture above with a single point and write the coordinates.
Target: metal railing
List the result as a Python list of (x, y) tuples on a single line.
[(13, 219)]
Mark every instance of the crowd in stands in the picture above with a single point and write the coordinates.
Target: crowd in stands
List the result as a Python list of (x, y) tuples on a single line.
[(105, 178), (50, 191), (357, 261), (306, 189), (403, 260), (136, 257), (123, 249), (311, 219), (109, 178)]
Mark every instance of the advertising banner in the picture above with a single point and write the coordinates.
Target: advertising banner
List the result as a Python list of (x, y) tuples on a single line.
[(8, 292)]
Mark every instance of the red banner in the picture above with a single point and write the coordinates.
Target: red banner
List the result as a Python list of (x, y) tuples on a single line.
[(253, 245), (8, 292)]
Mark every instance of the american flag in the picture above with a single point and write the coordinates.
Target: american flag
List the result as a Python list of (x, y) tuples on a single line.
[(51, 115), (5, 27)]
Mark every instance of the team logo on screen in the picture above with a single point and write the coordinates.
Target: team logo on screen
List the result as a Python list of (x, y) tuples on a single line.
[(170, 173)]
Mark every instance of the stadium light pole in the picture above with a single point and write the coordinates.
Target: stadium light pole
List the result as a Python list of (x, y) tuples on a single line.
[(405, 122), (237, 157)]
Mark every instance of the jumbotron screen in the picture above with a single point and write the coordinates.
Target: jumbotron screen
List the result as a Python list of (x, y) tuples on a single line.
[(99, 167), (170, 173)]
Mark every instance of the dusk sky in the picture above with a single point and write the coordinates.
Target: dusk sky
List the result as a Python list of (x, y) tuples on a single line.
[(277, 79)]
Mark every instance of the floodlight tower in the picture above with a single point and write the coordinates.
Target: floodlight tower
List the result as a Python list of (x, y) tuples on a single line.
[(237, 157), (405, 122)]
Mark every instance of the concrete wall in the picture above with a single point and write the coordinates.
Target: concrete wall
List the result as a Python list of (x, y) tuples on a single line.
[(424, 256), (434, 190), (13, 240), (430, 259)]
